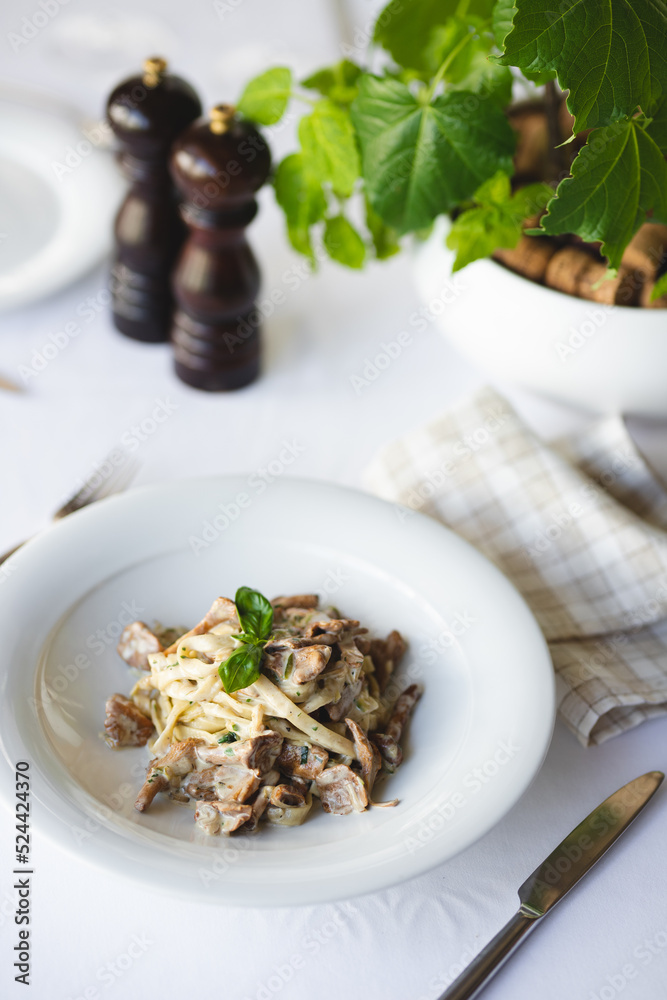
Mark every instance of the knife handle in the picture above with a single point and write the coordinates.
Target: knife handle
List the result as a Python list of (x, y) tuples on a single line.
[(489, 960)]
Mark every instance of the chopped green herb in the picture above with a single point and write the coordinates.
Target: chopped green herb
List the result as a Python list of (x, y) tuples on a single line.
[(229, 751), (228, 738), (315, 728), (304, 756)]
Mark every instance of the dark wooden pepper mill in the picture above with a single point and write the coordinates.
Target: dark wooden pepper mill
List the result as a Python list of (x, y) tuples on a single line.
[(218, 165), (147, 113)]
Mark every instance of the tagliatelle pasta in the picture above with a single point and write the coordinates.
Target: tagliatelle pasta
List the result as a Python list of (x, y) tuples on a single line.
[(314, 720)]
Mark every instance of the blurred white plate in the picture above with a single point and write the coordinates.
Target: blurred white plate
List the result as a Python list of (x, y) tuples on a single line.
[(477, 739), (59, 193)]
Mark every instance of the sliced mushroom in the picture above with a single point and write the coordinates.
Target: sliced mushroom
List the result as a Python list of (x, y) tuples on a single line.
[(124, 724), (222, 610), (258, 752), (136, 643), (386, 655), (329, 630), (337, 710), (308, 601), (303, 761), (165, 772), (154, 783), (341, 790), (309, 663), (368, 755), (390, 751), (221, 817), (401, 711)]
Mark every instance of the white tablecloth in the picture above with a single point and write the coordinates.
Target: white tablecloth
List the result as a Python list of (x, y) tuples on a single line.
[(94, 936)]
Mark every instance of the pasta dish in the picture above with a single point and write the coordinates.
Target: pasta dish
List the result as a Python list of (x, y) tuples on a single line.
[(262, 708)]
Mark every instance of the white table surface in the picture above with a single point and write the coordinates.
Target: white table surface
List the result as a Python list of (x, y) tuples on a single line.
[(94, 936)]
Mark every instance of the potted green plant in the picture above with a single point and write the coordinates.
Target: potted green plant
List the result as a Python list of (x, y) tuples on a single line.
[(553, 209)]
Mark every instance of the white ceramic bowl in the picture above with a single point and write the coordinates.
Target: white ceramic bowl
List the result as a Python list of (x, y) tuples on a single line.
[(477, 739), (601, 358)]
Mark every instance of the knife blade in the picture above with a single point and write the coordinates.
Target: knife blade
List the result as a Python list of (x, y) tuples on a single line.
[(554, 878)]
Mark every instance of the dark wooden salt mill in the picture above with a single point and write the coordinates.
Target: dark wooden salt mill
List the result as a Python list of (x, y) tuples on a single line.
[(146, 113), (218, 165)]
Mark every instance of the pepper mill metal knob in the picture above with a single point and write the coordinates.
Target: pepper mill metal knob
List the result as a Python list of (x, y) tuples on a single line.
[(218, 164), (146, 113)]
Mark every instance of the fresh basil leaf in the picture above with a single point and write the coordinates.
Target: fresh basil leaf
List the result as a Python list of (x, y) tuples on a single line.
[(339, 82), (497, 219), (343, 243), (419, 160), (328, 147), (611, 57), (404, 27), (265, 98), (241, 669), (255, 612), (617, 178), (660, 288), (384, 237), (301, 198)]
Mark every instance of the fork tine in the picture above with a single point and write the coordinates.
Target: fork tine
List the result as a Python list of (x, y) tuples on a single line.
[(101, 482), (119, 482)]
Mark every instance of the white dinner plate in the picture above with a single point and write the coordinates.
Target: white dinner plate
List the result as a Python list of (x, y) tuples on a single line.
[(475, 743), (59, 193)]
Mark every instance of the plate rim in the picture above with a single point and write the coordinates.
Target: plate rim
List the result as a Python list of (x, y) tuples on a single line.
[(54, 830)]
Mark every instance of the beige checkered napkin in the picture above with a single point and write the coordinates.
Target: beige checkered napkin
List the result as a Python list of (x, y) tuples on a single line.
[(579, 526)]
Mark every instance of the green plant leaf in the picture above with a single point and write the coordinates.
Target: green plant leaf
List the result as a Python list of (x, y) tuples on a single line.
[(501, 20), (384, 238), (265, 98), (496, 220), (241, 669), (465, 43), (343, 243), (617, 178), (658, 126), (338, 83), (255, 612), (611, 56), (328, 147), (302, 200), (660, 288), (420, 160), (404, 27)]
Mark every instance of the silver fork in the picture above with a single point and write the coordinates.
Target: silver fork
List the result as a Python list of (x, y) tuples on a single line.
[(110, 476)]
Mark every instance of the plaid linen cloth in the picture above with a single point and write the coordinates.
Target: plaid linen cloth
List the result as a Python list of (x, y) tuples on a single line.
[(579, 526)]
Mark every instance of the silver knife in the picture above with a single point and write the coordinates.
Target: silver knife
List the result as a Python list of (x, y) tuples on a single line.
[(555, 876)]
